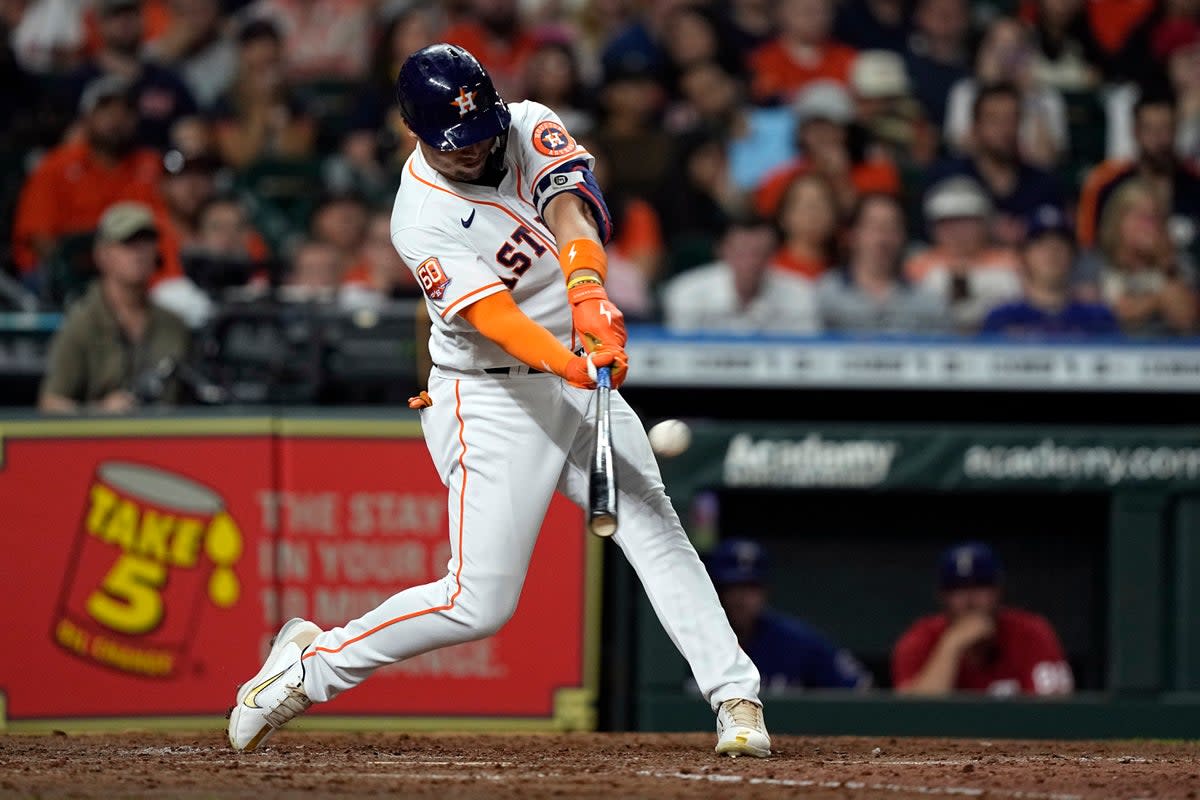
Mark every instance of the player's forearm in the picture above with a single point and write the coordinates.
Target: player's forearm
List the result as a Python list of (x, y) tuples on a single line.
[(498, 318), (939, 673), (581, 254)]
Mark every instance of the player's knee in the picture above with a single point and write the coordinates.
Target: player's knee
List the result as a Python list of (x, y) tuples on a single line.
[(487, 615)]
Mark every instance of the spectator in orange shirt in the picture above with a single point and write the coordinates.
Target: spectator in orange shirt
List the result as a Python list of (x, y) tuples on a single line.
[(808, 224), (497, 38), (74, 183), (323, 39), (831, 146), (802, 52)]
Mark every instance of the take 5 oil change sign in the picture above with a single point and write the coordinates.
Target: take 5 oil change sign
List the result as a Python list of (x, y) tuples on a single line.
[(153, 552)]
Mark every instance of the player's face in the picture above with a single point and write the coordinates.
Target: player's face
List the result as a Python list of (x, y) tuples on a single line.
[(971, 600), (129, 263), (463, 164)]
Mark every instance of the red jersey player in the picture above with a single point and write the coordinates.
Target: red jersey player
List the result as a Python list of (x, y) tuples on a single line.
[(975, 644)]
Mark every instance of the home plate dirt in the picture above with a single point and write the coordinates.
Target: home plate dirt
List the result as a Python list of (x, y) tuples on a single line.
[(301, 764)]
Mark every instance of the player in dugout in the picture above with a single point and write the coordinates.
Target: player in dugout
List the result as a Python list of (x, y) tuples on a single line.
[(789, 653), (976, 644)]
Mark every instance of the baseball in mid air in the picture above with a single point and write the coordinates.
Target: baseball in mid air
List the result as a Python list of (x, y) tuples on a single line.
[(670, 437)]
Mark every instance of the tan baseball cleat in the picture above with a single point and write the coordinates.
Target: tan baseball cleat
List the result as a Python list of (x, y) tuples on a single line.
[(741, 730), (275, 695)]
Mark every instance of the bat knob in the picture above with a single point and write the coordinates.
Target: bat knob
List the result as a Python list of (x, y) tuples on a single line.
[(604, 525)]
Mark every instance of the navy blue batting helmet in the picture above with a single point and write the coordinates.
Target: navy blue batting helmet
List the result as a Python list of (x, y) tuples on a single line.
[(448, 99)]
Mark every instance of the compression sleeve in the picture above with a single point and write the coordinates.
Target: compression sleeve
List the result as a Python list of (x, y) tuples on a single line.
[(498, 318)]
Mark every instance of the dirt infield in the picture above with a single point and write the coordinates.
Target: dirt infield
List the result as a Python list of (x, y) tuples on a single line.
[(587, 765)]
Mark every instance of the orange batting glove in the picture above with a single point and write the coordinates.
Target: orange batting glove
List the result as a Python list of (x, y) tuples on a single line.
[(597, 320), (581, 370)]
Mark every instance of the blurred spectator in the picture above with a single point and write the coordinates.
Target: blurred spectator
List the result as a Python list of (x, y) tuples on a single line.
[(694, 39), (74, 183), (635, 252), (747, 25), (380, 275), (699, 200), (962, 267), (314, 275), (742, 291), (975, 643), (789, 653), (1006, 56), (937, 53), (1048, 305), (868, 295), (1157, 163), (1136, 269), (629, 129), (340, 221), (636, 32), (1177, 43), (223, 252), (47, 35), (196, 46), (494, 34), (759, 139), (552, 78), (193, 136), (1014, 187), (113, 340), (322, 39), (802, 52), (377, 142), (1120, 30), (1067, 54), (887, 111), (808, 223), (187, 184), (872, 24), (160, 96), (260, 116), (833, 147)]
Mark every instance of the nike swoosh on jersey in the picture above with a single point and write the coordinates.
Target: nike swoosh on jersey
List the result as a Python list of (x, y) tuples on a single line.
[(250, 698), (466, 223)]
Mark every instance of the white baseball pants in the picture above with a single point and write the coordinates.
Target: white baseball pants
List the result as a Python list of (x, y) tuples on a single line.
[(502, 444)]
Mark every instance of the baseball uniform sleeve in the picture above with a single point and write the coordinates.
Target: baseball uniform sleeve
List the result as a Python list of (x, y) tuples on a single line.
[(1049, 673), (911, 653), (544, 145), (448, 269)]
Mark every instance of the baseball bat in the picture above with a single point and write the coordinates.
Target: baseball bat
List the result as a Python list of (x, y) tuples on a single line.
[(602, 491)]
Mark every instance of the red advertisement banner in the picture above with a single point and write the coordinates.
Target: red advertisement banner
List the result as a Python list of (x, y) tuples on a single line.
[(146, 571)]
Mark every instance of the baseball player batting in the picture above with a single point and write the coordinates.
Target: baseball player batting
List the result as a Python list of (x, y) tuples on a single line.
[(502, 222)]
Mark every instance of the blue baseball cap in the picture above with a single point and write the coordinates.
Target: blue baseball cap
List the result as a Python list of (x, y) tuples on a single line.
[(1049, 220), (969, 564), (738, 561)]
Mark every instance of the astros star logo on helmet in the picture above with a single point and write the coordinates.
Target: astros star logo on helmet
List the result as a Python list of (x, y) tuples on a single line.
[(465, 101)]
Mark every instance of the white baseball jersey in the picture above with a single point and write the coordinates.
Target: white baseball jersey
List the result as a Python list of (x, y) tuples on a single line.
[(504, 442), (465, 241)]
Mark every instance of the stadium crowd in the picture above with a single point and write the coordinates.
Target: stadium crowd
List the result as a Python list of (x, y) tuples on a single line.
[(951, 166)]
